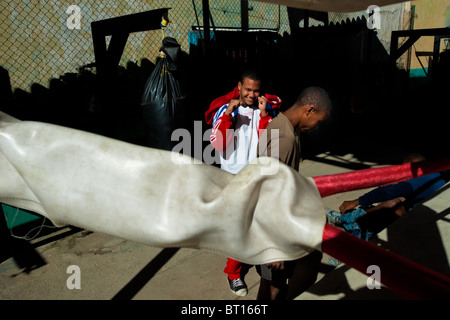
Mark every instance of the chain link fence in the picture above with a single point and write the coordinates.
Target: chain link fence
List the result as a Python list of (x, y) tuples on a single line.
[(42, 40)]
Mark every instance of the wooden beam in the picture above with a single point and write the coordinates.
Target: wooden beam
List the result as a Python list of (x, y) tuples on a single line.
[(119, 28), (143, 21)]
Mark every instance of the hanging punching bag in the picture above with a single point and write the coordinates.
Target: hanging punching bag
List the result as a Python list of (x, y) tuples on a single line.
[(162, 99)]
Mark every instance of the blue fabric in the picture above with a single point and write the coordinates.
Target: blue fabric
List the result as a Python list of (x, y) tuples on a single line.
[(413, 190), (195, 36), (348, 222), (270, 110), (425, 186)]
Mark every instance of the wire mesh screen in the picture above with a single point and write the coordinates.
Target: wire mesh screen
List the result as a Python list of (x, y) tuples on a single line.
[(227, 14), (41, 40)]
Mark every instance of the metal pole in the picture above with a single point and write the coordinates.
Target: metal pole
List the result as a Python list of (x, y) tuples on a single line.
[(244, 15), (206, 30)]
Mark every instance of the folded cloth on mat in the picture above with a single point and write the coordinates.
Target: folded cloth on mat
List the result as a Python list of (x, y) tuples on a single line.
[(349, 222), (268, 212)]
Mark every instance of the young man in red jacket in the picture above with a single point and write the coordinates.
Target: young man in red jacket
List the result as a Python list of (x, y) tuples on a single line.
[(239, 119)]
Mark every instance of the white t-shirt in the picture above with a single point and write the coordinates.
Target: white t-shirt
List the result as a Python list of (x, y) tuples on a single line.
[(243, 147)]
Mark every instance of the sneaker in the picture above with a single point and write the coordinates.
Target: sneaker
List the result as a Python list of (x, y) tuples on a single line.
[(238, 287)]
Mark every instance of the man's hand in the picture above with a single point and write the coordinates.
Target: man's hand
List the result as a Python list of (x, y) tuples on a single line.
[(277, 265), (232, 106), (348, 205), (262, 105)]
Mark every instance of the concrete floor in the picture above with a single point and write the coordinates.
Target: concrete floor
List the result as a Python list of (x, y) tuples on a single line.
[(113, 268)]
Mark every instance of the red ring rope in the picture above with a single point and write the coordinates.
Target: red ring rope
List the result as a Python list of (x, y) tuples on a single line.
[(373, 177), (402, 276)]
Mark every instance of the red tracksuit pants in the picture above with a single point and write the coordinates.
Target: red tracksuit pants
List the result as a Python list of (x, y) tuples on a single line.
[(235, 269)]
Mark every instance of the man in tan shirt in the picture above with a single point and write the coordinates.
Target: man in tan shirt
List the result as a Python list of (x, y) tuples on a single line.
[(287, 279)]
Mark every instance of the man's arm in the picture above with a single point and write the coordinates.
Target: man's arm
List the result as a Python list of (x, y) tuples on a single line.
[(265, 118), (221, 133), (384, 193), (380, 194), (272, 145), (263, 123)]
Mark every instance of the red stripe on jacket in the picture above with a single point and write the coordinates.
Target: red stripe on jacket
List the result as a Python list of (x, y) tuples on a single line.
[(222, 132)]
